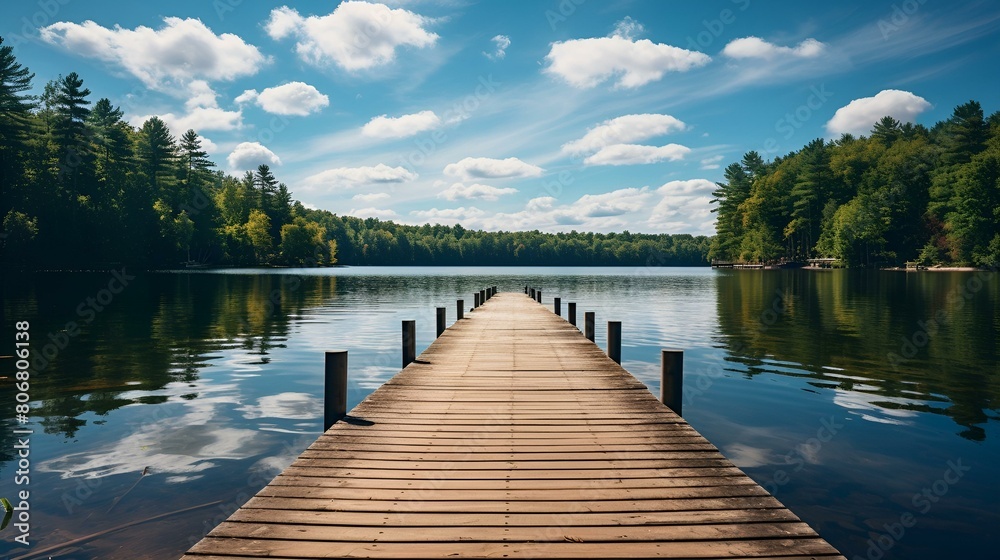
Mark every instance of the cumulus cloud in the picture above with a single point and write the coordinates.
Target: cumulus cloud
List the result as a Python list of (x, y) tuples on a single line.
[(858, 116), (180, 51), (594, 212), (249, 155), (614, 203), (348, 177), (371, 197), (624, 129), (474, 191), (449, 216), (202, 112), (685, 206), (711, 162), (355, 36), (199, 119), (632, 154), (501, 42), (585, 63), (372, 212), (401, 127), (488, 168), (294, 98), (628, 28), (755, 47)]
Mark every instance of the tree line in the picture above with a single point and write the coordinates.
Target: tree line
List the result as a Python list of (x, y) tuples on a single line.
[(83, 188), (904, 193)]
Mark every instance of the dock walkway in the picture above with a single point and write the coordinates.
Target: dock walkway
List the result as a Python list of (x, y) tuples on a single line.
[(512, 436)]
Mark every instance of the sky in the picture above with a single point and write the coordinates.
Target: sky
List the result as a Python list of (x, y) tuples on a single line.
[(555, 115)]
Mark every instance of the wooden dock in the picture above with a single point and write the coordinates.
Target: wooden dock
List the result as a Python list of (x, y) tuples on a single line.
[(512, 436)]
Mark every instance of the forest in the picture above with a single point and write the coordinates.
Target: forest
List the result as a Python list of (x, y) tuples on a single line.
[(84, 189), (905, 193)]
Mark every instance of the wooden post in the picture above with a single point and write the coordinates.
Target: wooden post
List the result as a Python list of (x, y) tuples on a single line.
[(442, 320), (539, 294), (482, 297), (532, 293), (476, 297), (409, 342), (672, 379), (461, 310), (557, 306), (334, 388), (525, 289), (572, 313), (615, 341), (588, 325)]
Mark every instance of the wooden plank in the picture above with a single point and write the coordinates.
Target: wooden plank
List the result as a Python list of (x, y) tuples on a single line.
[(556, 533), (267, 548), (512, 436), (424, 519)]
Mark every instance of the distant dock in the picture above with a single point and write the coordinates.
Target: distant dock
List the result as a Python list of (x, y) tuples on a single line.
[(512, 436)]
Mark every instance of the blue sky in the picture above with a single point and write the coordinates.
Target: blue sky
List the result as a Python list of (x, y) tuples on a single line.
[(551, 114)]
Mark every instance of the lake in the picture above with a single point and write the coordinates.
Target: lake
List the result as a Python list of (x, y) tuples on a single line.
[(867, 402)]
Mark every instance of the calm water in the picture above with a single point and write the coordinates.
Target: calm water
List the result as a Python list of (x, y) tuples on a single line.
[(861, 400)]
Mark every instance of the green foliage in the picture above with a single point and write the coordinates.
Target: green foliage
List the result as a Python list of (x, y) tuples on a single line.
[(904, 193)]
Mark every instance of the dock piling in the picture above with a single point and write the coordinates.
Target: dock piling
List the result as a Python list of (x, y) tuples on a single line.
[(672, 379), (572, 313), (409, 342), (334, 388), (538, 293), (588, 325), (460, 308), (615, 341), (442, 320), (476, 298), (557, 306)]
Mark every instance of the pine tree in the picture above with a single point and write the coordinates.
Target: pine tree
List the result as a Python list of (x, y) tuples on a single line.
[(70, 132), (194, 158), (15, 113), (156, 155)]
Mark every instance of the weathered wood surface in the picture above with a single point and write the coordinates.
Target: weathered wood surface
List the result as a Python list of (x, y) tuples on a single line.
[(512, 436)]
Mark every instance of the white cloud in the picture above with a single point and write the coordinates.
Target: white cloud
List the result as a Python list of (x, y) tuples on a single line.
[(167, 58), (500, 51), (293, 98), (711, 162), (624, 129), (371, 197), (248, 96), (614, 203), (202, 112), (489, 168), (858, 116), (371, 212), (248, 155), (631, 154), (628, 28), (685, 206), (585, 63), (540, 203), (755, 47), (347, 177), (401, 127), (449, 216), (474, 191), (609, 211), (355, 36), (208, 145)]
